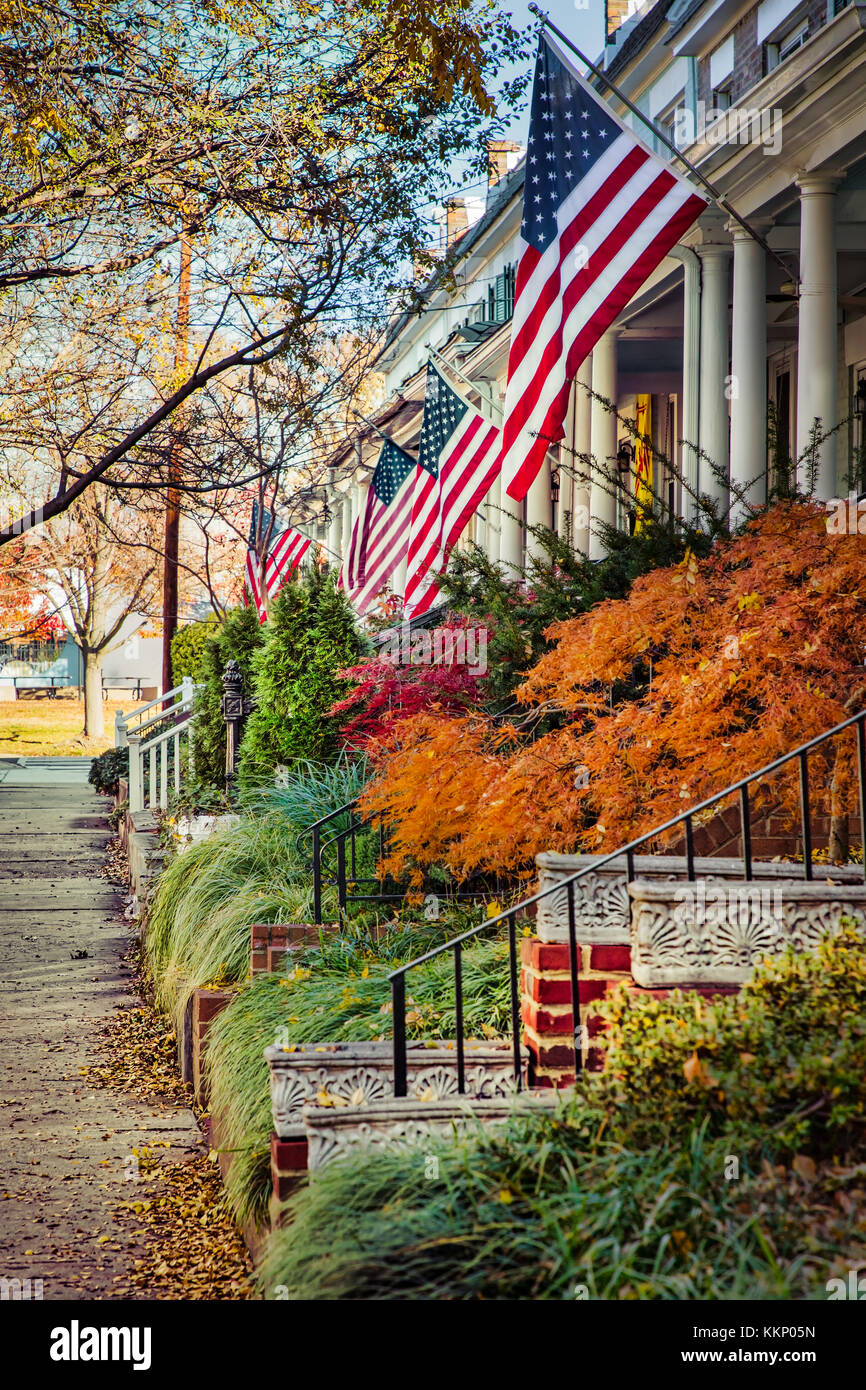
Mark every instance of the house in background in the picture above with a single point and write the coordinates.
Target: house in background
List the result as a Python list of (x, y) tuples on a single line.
[(768, 101)]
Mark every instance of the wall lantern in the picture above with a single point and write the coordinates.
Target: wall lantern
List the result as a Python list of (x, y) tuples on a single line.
[(624, 456)]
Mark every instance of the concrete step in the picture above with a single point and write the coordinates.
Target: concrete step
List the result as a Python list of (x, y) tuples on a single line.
[(337, 1133), (346, 1075), (716, 933), (601, 898)]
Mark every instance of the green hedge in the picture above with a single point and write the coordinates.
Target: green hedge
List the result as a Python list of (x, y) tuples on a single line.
[(107, 769), (188, 649), (309, 636)]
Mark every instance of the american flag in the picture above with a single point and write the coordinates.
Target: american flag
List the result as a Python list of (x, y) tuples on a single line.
[(286, 549), (380, 537), (600, 211), (458, 458)]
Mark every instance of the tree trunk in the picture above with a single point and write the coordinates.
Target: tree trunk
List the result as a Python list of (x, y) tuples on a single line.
[(94, 710)]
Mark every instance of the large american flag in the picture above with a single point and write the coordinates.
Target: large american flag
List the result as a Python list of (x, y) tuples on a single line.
[(380, 537), (458, 458), (600, 211), (286, 549)]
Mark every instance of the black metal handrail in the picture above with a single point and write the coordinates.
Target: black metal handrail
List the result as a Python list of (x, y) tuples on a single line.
[(346, 872), (510, 915), (316, 831)]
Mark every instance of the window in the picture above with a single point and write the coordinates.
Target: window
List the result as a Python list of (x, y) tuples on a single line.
[(500, 296), (722, 97), (674, 120), (788, 43), (794, 40), (781, 419)]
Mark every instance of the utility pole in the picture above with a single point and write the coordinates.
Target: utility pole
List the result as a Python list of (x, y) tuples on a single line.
[(172, 504)]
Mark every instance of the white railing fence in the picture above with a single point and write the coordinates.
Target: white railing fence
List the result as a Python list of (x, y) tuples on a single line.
[(182, 695), (156, 764)]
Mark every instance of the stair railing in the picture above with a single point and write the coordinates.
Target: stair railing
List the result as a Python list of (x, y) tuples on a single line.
[(344, 873), (509, 916), (182, 695), (156, 763)]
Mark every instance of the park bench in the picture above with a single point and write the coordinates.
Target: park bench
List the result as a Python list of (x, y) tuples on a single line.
[(38, 681), (132, 683)]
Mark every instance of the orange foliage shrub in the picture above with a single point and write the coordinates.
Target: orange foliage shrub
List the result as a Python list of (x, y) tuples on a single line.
[(726, 663)]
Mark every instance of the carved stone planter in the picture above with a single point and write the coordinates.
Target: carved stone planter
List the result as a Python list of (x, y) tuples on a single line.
[(188, 830), (601, 901), (714, 933), (359, 1074), (393, 1124)]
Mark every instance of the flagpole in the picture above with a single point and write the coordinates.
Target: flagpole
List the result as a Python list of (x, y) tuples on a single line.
[(387, 438), (473, 385), (714, 193)]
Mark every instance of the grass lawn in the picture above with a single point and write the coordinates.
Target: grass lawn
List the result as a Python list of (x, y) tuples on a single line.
[(38, 726)]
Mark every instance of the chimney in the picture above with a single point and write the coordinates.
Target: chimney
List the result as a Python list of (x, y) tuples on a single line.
[(502, 155), (456, 220)]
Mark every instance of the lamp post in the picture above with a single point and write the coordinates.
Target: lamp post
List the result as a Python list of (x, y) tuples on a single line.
[(235, 708)]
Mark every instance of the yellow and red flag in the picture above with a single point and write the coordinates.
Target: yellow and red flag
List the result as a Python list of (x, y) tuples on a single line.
[(643, 463)]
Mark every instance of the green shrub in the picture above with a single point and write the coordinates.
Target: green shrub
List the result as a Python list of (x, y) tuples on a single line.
[(784, 1060), (558, 584), (277, 667), (310, 635), (107, 769), (188, 648), (208, 896), (238, 636), (545, 1209)]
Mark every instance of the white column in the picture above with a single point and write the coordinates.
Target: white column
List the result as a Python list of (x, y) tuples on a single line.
[(817, 336), (493, 519), (510, 523), (348, 521), (398, 579), (748, 374), (715, 359), (510, 536), (691, 376), (603, 434), (565, 507), (335, 526), (582, 447), (356, 504), (538, 509)]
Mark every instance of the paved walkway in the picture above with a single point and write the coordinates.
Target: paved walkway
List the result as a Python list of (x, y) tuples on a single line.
[(65, 1145)]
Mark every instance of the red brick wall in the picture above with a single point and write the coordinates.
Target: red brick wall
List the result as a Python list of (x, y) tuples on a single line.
[(206, 1004), (774, 836), (270, 942), (748, 56), (548, 1019)]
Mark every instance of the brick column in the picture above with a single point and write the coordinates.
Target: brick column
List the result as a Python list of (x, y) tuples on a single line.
[(288, 1169), (271, 942), (206, 1004), (548, 1018)]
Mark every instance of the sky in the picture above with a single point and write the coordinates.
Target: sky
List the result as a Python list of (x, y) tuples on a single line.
[(581, 20)]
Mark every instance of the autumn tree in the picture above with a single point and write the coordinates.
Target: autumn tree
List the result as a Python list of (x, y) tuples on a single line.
[(293, 148), (80, 566), (705, 672)]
